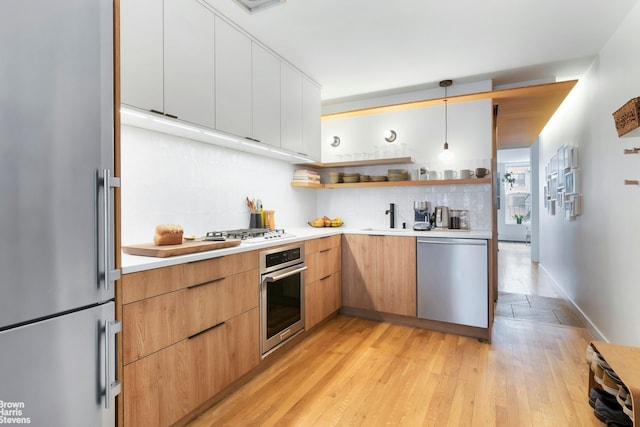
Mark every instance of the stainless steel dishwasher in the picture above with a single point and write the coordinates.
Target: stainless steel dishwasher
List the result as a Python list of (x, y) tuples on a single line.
[(453, 280)]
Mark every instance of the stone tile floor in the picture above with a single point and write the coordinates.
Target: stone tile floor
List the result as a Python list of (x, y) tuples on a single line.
[(536, 308)]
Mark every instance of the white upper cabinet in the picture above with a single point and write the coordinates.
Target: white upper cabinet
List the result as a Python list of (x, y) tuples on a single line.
[(266, 96), (141, 54), (300, 113), (311, 112), (164, 68), (189, 85), (291, 109), (233, 80), (181, 60)]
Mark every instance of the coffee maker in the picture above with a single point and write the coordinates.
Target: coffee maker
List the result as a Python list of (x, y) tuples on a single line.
[(421, 216)]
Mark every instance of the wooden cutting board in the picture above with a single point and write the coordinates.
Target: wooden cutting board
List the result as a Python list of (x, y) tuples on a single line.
[(188, 247)]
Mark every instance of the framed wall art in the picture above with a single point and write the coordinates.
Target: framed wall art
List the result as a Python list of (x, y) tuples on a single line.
[(571, 185)]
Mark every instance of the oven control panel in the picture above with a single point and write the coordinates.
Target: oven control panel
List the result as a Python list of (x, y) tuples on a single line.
[(281, 257)]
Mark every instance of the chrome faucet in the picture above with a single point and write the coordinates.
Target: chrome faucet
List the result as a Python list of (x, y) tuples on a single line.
[(392, 212)]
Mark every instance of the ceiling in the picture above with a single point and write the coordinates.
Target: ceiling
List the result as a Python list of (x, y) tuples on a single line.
[(354, 47), (358, 49)]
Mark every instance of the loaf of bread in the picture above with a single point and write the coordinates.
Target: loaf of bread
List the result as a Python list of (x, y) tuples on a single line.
[(168, 234)]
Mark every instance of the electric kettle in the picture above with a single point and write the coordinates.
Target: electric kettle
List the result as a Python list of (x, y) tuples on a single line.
[(442, 217)]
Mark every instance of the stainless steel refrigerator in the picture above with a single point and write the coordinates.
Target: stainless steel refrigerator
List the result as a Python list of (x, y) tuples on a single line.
[(57, 327)]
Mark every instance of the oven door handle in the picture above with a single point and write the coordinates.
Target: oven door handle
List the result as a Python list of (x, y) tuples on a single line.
[(271, 279)]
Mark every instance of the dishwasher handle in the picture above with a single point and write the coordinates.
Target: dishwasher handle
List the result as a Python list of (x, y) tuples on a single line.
[(469, 242)]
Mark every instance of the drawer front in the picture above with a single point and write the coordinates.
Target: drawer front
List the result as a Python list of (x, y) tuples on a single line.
[(158, 390), (322, 263), (155, 323), (322, 298), (199, 272), (163, 387), (225, 353), (316, 245), (150, 283), (222, 299), (152, 324)]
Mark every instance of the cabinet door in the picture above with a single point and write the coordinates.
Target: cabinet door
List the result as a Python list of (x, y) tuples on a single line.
[(155, 323), (233, 80), (266, 96), (310, 119), (163, 387), (189, 62), (159, 389), (359, 270), (396, 275), (322, 298), (322, 264), (223, 354), (141, 53), (291, 109)]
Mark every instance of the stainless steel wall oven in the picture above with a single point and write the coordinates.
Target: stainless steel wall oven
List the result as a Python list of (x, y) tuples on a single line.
[(282, 272)]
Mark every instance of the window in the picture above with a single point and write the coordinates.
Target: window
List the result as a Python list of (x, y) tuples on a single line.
[(518, 193)]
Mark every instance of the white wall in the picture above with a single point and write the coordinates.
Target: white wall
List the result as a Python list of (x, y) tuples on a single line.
[(167, 179), (420, 135), (595, 260)]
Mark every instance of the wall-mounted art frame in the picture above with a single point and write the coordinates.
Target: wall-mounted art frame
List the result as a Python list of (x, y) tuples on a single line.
[(546, 195), (572, 183), (560, 198), (570, 157), (553, 186), (562, 187), (572, 206)]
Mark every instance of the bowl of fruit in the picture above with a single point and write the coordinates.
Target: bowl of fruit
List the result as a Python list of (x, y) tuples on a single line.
[(325, 221)]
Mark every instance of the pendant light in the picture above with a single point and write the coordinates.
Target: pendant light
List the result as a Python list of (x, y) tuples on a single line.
[(445, 155)]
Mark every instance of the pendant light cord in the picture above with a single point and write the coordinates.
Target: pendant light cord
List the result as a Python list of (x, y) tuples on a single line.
[(445, 84), (446, 119)]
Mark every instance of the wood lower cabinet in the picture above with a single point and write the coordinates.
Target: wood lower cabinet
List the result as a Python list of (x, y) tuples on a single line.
[(322, 299), (165, 386), (379, 273), (323, 294), (189, 331), (154, 323)]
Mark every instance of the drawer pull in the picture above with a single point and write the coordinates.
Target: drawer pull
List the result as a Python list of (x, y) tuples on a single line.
[(195, 262), (325, 277), (220, 279), (325, 250), (206, 330)]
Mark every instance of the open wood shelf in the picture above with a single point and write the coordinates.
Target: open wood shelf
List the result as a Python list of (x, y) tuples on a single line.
[(624, 361), (395, 183), (356, 163), (306, 184)]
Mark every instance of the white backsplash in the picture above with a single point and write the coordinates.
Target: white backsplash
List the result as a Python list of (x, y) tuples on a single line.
[(167, 179), (365, 207), (202, 187)]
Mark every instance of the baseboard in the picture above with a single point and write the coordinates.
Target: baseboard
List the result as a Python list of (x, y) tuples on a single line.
[(593, 329)]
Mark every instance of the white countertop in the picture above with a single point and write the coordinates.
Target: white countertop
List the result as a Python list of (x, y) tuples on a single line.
[(134, 263)]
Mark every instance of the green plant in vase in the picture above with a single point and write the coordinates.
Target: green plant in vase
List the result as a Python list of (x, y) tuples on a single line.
[(509, 179), (519, 218)]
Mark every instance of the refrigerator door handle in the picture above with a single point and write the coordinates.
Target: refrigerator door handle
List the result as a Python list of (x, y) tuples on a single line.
[(110, 275), (111, 389)]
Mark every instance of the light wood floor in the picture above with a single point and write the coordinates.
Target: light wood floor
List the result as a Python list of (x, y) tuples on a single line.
[(365, 373), (356, 372), (517, 274)]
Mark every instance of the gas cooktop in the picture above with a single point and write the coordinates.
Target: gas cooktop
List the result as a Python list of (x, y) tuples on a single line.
[(248, 235)]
